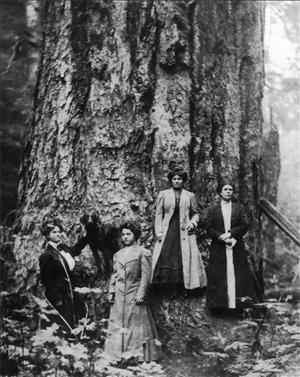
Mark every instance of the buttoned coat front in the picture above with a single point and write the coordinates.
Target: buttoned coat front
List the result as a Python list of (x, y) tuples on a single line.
[(216, 296), (193, 268), (131, 330)]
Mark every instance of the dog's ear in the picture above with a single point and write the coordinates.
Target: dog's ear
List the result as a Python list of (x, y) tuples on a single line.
[(95, 218), (84, 219)]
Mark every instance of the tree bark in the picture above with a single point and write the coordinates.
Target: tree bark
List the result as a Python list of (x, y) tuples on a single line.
[(125, 86), (270, 177), (19, 60)]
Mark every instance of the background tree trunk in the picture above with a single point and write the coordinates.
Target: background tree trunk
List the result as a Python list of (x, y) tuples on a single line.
[(125, 86), (19, 58), (271, 172)]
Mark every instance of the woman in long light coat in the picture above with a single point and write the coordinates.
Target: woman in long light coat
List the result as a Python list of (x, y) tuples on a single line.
[(176, 259), (131, 331)]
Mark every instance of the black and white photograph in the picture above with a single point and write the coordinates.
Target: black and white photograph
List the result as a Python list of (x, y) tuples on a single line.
[(150, 188)]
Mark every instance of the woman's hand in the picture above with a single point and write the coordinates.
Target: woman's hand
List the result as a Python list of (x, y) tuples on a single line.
[(159, 236), (111, 298), (59, 303), (224, 236), (138, 299), (190, 227)]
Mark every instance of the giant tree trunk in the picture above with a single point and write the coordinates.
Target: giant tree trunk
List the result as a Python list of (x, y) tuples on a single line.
[(123, 87)]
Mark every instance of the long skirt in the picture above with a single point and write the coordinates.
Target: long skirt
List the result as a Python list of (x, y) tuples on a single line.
[(217, 291), (131, 331), (169, 269)]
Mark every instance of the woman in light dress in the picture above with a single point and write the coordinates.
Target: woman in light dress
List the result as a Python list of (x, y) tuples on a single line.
[(131, 330)]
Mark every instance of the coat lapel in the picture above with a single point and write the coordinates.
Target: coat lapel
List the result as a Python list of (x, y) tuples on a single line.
[(183, 205), (182, 199), (53, 252), (58, 257), (233, 213), (234, 210), (219, 215), (123, 259), (171, 197)]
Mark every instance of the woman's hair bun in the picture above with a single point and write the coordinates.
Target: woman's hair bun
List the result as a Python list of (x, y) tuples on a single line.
[(177, 170), (50, 224), (133, 226), (224, 182)]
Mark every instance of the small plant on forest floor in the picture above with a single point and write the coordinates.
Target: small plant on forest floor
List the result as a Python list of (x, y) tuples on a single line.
[(260, 347), (32, 350)]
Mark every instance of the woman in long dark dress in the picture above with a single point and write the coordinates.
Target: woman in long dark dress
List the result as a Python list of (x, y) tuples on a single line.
[(230, 284), (56, 266), (131, 331), (177, 261)]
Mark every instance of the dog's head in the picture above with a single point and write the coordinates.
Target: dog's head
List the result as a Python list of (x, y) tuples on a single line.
[(90, 218)]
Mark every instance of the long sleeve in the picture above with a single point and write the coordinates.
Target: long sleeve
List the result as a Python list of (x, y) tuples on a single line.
[(210, 228), (77, 248), (194, 213), (159, 213), (47, 273), (241, 229), (146, 261), (113, 278)]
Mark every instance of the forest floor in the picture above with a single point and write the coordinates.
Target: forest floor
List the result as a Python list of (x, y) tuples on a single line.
[(195, 343), (203, 345), (186, 359), (191, 364)]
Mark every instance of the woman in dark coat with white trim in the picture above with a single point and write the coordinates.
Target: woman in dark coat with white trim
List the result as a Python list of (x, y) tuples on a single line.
[(230, 284)]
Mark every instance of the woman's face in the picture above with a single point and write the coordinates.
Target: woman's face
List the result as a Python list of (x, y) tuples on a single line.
[(55, 235), (227, 192), (177, 181), (127, 237)]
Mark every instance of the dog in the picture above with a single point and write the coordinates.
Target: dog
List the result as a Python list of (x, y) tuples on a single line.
[(104, 239)]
